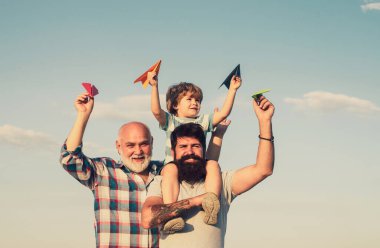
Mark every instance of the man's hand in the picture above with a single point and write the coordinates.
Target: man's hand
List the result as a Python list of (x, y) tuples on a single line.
[(84, 103), (152, 78), (264, 110), (221, 128), (235, 82)]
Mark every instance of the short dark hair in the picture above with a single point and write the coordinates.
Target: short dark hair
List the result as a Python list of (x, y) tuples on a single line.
[(192, 130), (177, 91)]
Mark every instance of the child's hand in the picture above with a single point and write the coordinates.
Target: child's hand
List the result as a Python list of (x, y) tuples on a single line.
[(235, 82), (152, 78)]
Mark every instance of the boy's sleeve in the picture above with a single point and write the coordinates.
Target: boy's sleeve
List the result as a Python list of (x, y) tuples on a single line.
[(168, 119), (210, 119)]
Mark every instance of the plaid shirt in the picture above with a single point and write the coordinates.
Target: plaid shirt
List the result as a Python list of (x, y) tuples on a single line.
[(119, 195)]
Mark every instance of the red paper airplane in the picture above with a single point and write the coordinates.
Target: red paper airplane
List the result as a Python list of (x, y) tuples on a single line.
[(91, 89), (143, 77)]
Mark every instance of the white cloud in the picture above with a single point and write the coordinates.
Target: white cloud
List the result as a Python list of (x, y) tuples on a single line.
[(330, 102), (26, 139), (126, 108), (370, 5)]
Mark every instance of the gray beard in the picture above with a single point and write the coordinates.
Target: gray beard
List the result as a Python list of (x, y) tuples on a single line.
[(135, 167)]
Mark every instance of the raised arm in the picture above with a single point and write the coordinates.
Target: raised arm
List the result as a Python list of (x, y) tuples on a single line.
[(84, 105), (247, 177), (216, 140), (155, 105), (228, 103)]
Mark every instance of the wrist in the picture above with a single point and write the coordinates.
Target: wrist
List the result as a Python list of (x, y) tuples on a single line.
[(266, 138)]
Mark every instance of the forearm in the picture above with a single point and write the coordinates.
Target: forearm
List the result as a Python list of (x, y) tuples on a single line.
[(155, 102), (214, 148), (75, 136), (154, 213), (227, 107), (265, 153)]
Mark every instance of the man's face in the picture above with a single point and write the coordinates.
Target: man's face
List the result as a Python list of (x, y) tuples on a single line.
[(135, 148), (189, 159), (187, 146)]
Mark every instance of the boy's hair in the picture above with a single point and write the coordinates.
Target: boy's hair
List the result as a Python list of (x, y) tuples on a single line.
[(190, 129), (176, 92)]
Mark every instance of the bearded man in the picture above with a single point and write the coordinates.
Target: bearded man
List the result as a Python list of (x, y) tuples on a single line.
[(119, 188), (188, 148)]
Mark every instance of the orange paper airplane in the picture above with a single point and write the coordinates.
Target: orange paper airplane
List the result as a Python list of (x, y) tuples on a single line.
[(143, 77)]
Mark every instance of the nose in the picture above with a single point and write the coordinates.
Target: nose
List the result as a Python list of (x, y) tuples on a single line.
[(189, 151), (138, 150)]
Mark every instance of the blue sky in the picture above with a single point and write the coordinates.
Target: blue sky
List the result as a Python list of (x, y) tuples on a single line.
[(320, 58)]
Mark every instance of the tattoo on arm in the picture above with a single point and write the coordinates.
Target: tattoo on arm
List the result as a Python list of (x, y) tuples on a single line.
[(164, 212)]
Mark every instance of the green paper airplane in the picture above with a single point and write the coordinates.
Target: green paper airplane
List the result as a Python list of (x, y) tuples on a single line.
[(258, 94)]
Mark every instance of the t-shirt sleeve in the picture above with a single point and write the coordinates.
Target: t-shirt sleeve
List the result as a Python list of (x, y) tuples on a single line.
[(227, 186), (210, 119), (154, 188), (168, 119)]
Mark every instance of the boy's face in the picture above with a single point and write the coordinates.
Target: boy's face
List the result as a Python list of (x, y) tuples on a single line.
[(188, 106)]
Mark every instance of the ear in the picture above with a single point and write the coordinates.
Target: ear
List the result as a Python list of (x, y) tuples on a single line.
[(175, 107), (172, 154), (117, 144)]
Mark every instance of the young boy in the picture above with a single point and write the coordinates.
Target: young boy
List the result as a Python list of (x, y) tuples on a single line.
[(183, 102)]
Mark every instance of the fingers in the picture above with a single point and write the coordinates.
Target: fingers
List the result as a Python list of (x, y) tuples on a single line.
[(236, 78), (226, 122), (262, 103), (83, 98), (216, 109)]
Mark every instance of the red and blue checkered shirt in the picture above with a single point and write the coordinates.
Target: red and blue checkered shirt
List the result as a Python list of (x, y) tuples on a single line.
[(119, 196)]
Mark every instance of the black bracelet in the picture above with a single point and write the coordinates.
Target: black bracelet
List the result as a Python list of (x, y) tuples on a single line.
[(271, 139)]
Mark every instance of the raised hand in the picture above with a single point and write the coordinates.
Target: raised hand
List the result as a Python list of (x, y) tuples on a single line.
[(152, 78), (264, 109), (84, 103), (235, 82)]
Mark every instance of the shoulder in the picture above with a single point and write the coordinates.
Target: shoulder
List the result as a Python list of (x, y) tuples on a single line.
[(155, 167)]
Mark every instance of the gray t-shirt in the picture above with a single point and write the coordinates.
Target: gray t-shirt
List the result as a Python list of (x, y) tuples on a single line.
[(196, 233)]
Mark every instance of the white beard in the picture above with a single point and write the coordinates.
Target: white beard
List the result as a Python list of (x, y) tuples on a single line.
[(136, 167)]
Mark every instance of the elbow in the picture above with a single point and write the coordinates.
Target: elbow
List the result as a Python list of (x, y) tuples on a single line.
[(146, 224), (145, 220), (268, 172)]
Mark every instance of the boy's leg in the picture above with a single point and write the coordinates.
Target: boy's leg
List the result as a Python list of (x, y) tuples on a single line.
[(213, 185), (170, 191), (169, 184)]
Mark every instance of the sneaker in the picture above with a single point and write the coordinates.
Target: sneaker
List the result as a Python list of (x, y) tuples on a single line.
[(174, 225), (211, 206)]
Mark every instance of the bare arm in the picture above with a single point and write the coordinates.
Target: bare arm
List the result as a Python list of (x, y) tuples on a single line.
[(155, 105), (84, 105), (245, 178), (155, 213), (216, 140), (228, 103)]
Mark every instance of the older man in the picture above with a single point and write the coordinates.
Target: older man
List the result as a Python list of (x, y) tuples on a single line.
[(119, 188), (188, 142)]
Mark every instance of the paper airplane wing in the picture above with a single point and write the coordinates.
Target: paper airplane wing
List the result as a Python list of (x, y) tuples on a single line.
[(91, 89), (143, 77), (260, 93), (235, 72)]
